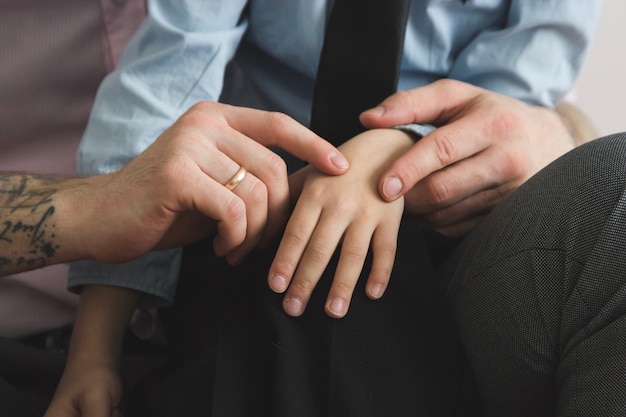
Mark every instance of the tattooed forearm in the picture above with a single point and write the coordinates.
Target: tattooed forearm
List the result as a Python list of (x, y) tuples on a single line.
[(27, 228), (20, 191)]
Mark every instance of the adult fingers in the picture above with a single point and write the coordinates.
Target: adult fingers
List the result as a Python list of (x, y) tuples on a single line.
[(268, 167), (455, 183), (458, 218), (253, 193), (439, 149), (202, 193), (278, 129), (438, 101)]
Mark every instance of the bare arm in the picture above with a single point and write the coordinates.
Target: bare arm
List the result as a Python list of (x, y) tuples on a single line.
[(32, 234), (170, 195), (90, 385)]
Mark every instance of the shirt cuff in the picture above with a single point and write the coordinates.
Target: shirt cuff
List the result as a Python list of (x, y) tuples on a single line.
[(416, 131), (155, 275)]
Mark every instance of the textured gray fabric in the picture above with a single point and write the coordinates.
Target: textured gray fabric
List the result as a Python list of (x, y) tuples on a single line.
[(538, 290)]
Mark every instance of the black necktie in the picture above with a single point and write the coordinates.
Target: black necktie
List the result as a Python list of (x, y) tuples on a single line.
[(359, 65)]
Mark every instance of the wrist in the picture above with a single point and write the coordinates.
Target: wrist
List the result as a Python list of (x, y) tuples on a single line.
[(378, 144), (78, 204)]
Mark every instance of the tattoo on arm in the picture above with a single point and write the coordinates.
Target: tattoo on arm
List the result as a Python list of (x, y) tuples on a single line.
[(27, 228)]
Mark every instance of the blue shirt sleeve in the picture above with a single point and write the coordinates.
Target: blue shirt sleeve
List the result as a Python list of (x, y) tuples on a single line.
[(532, 50), (537, 56), (177, 58)]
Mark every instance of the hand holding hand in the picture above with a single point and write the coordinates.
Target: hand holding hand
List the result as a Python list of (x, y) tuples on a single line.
[(341, 211), (486, 146), (173, 193)]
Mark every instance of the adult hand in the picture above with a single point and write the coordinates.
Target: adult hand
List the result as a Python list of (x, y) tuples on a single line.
[(486, 146), (166, 196)]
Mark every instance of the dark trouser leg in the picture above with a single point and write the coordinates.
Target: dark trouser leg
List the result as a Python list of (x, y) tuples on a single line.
[(392, 357), (538, 290), (28, 378)]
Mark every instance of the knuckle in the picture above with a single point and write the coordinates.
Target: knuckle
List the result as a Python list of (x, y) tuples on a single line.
[(438, 192), (296, 236), (380, 273), (202, 115), (201, 106), (283, 266), (343, 287), (354, 253), (502, 123), (258, 193), (275, 166), (279, 121), (319, 251), (448, 83), (235, 210), (302, 287), (387, 250), (444, 149), (344, 205), (405, 97), (511, 167)]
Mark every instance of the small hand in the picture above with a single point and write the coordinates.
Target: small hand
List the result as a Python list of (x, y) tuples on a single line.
[(486, 146), (341, 211), (87, 390)]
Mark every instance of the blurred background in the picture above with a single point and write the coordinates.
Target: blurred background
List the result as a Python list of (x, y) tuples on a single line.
[(601, 88)]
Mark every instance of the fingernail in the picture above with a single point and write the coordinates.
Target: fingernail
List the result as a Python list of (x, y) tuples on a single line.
[(278, 283), (377, 291), (338, 161), (376, 111), (337, 307), (293, 306), (392, 187)]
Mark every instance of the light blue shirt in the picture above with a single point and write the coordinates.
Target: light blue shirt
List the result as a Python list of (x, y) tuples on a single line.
[(529, 49)]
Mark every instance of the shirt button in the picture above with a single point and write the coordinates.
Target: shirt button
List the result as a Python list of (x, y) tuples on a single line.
[(119, 3)]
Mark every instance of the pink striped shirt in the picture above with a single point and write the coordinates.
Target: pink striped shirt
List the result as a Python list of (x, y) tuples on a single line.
[(55, 53)]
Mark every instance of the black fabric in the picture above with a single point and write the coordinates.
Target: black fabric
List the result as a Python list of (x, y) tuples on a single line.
[(359, 65), (30, 370), (239, 354), (28, 378), (538, 291)]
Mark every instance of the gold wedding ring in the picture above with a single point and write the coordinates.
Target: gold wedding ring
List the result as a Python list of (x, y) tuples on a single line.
[(236, 179)]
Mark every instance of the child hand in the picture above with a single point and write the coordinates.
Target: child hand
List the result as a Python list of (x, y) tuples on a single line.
[(344, 211), (87, 390)]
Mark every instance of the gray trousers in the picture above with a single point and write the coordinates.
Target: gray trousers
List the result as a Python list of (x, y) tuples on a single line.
[(538, 290)]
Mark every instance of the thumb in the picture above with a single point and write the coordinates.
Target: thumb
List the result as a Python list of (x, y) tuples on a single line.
[(434, 103)]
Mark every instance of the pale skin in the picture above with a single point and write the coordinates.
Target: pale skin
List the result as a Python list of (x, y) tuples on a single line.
[(340, 210), (170, 195), (178, 197), (487, 145), (496, 129), (346, 212)]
